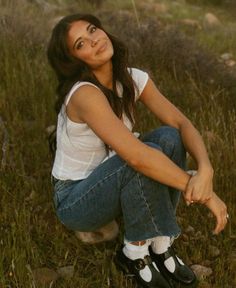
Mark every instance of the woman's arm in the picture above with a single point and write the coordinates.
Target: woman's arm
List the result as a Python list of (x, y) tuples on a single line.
[(200, 186), (88, 104), (92, 107)]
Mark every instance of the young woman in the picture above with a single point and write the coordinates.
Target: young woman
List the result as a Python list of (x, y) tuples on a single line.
[(102, 170)]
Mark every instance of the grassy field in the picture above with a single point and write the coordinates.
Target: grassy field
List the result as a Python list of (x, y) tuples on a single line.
[(185, 63)]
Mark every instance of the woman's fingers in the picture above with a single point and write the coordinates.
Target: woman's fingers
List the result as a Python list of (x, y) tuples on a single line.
[(188, 195), (221, 221)]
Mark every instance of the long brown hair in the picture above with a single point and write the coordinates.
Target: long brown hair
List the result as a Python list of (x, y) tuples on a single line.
[(70, 70)]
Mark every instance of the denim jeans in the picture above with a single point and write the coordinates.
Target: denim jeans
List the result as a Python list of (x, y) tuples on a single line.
[(148, 207)]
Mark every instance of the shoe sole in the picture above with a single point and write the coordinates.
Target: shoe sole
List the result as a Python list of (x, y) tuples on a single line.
[(126, 272)]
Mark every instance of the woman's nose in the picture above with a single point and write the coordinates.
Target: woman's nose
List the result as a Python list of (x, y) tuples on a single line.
[(94, 42)]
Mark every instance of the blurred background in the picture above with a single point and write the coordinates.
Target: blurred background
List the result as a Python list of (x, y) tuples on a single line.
[(189, 49)]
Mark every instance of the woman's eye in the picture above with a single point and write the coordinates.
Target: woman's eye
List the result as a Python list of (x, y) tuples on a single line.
[(80, 45), (93, 29)]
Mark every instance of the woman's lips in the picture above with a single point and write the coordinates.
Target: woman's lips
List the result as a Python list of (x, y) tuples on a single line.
[(102, 48)]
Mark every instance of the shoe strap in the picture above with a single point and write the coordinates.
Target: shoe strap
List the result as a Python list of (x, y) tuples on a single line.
[(169, 253), (139, 264)]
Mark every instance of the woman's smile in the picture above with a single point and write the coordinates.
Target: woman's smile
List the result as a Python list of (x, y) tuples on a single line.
[(102, 48)]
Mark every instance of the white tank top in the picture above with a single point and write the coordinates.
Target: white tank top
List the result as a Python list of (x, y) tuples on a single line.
[(79, 149)]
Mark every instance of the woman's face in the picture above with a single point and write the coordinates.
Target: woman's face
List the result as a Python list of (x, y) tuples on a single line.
[(89, 44)]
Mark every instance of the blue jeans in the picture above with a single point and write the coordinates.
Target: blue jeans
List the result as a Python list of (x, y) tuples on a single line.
[(114, 188)]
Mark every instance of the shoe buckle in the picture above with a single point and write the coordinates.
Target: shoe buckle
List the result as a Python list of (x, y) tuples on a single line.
[(139, 264)]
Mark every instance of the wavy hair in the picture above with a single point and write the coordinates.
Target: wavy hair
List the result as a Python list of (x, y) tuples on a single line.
[(70, 70)]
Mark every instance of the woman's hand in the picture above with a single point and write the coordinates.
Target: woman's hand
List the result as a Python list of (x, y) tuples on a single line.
[(200, 187), (219, 209)]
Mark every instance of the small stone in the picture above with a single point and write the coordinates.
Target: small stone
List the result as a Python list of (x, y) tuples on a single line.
[(44, 276), (66, 272), (201, 271), (189, 230), (226, 56), (211, 21), (213, 251), (230, 63)]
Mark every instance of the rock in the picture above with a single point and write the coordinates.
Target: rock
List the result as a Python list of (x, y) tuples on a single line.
[(201, 271), (105, 233), (213, 251), (191, 23), (230, 63), (45, 276), (211, 21), (66, 272), (226, 56)]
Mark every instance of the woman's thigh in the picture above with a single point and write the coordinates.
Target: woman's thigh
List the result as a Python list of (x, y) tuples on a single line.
[(93, 202)]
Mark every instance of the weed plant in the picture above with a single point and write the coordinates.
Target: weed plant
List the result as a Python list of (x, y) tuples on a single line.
[(188, 74)]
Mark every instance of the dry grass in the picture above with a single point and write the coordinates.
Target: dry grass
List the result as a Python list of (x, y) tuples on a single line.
[(187, 73)]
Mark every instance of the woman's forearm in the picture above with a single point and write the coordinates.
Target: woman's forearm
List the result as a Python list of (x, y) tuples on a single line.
[(195, 146), (156, 165)]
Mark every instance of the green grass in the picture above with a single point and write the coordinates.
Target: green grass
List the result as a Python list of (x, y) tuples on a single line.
[(30, 234)]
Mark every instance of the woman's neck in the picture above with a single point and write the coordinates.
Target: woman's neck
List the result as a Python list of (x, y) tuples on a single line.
[(104, 74)]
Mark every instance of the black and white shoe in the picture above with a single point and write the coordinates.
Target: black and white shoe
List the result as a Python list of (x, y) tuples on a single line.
[(182, 273), (137, 268)]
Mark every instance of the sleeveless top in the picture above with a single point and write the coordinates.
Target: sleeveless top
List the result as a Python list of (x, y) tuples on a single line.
[(79, 150)]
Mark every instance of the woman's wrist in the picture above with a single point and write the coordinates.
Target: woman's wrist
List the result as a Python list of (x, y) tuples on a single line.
[(206, 169), (209, 201)]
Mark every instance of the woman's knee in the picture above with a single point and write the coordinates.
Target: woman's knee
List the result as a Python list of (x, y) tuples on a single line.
[(164, 135), (171, 135), (168, 140)]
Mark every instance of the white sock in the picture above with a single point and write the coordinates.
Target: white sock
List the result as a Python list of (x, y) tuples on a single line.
[(134, 252), (160, 245)]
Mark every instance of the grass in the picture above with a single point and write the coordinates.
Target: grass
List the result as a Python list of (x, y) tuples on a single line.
[(31, 236)]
